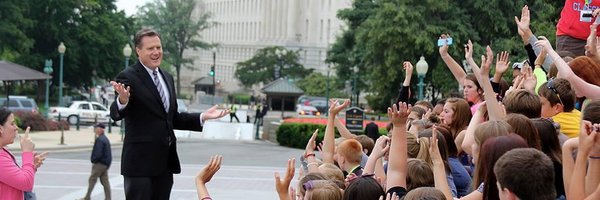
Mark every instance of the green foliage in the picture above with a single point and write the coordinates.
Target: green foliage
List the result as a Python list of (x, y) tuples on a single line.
[(239, 98), (179, 27), (383, 34), (262, 67), (37, 122), (296, 135), (315, 84), (93, 32)]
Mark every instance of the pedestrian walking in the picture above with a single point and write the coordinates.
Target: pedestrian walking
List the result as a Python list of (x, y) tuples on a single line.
[(232, 115), (101, 160)]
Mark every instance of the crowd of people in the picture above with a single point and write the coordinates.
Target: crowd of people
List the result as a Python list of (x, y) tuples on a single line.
[(537, 139)]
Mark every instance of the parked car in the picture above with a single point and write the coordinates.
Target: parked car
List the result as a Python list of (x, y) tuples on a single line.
[(307, 110), (19, 103), (321, 105), (88, 112)]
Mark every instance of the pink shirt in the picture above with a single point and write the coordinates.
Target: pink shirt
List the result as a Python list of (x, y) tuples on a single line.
[(474, 107), (14, 180)]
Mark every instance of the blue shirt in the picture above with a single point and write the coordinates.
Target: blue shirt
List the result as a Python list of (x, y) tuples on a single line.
[(101, 152), (462, 179)]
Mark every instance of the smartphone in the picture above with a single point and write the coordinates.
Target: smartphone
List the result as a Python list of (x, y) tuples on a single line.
[(441, 41), (585, 16)]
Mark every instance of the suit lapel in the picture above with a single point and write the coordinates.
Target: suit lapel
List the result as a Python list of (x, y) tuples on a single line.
[(149, 84)]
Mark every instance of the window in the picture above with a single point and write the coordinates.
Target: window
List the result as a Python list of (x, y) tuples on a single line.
[(98, 107), (13, 103), (84, 106), (27, 104)]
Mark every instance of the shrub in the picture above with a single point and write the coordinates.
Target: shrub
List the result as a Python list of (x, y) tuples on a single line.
[(37, 122), (296, 135)]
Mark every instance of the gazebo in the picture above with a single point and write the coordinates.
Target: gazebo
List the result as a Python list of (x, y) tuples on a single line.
[(10, 72), (204, 84), (282, 95)]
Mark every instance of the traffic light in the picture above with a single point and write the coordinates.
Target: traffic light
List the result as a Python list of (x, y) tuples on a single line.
[(212, 71)]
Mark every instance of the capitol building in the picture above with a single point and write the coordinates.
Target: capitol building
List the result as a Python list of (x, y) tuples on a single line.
[(245, 26)]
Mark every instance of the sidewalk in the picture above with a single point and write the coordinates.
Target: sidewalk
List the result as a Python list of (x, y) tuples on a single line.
[(73, 139)]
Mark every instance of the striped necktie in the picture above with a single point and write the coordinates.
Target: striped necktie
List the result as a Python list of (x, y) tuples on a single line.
[(160, 90)]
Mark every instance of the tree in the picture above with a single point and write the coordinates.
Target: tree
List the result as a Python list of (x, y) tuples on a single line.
[(13, 20), (265, 64), (179, 27), (315, 84)]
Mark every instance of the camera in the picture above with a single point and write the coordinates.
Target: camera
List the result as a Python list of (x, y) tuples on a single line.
[(585, 16), (441, 41)]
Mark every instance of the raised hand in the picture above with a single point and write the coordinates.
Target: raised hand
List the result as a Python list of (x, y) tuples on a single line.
[(502, 62), (213, 113), (434, 150), (334, 109), (523, 24), (38, 159), (444, 48), (486, 62), (529, 79), (26, 144), (311, 144), (398, 113), (592, 40), (205, 175), (282, 185), (544, 44), (382, 146), (122, 90), (469, 50)]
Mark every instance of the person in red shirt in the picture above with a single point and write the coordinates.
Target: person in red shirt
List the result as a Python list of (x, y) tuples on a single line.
[(573, 29)]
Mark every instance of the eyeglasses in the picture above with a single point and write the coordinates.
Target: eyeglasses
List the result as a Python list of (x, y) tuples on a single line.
[(550, 86)]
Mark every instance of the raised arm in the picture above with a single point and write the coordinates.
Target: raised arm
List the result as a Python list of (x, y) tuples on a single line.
[(309, 153), (329, 138), (439, 171), (586, 89), (404, 93), (483, 77), (282, 185), (344, 132), (528, 37), (374, 163), (457, 71), (397, 163), (206, 174), (567, 161), (577, 185), (592, 41)]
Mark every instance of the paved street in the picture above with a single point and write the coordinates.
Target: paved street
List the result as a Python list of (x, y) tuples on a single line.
[(247, 171)]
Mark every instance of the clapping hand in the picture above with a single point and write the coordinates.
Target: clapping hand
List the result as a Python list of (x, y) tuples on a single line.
[(213, 113), (122, 90), (382, 146), (334, 108)]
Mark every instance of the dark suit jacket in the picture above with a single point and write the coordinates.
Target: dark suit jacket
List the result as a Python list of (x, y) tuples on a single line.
[(372, 130), (146, 150)]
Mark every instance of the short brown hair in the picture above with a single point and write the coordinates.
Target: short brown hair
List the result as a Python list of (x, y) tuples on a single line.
[(366, 142), (419, 174), (351, 150), (526, 172), (554, 88), (145, 32), (591, 112), (523, 102), (524, 127), (424, 193), (323, 190), (425, 104), (490, 129)]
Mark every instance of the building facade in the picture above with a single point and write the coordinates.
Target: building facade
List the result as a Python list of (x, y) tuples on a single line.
[(245, 26)]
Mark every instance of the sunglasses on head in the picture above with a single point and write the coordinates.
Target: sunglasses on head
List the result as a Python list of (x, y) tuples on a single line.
[(550, 86)]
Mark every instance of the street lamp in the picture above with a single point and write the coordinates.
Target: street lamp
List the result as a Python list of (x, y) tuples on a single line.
[(422, 68), (61, 49), (127, 54), (48, 70), (327, 91), (279, 53), (213, 73), (354, 87)]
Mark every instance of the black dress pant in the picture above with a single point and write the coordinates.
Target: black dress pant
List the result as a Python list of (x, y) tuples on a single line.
[(152, 187)]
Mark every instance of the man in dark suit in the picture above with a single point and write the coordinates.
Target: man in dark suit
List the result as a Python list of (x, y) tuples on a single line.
[(147, 101), (372, 130)]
